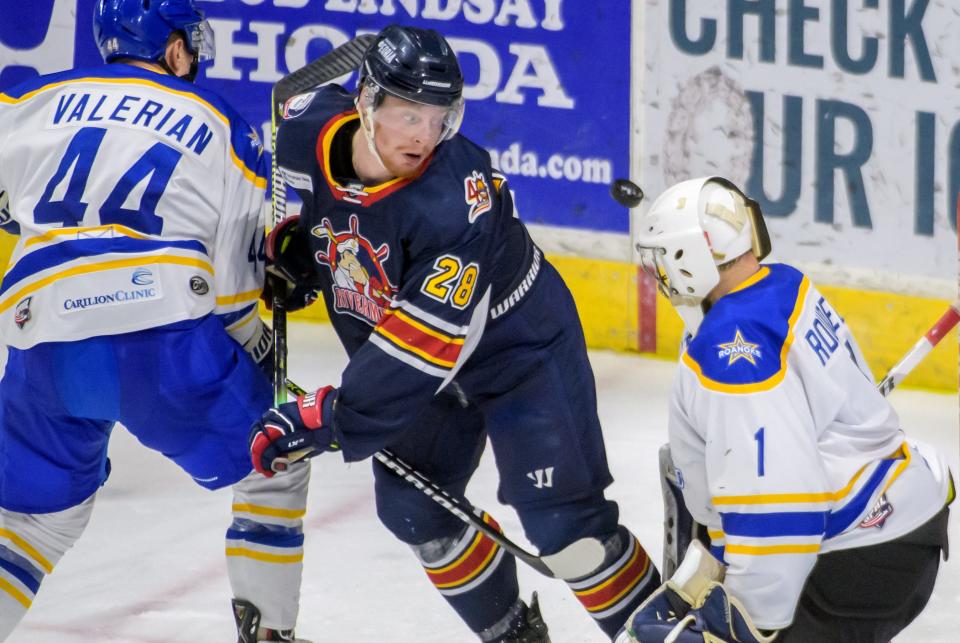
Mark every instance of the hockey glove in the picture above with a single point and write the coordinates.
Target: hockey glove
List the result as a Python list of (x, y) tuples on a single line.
[(7, 224), (290, 428), (260, 348), (656, 619), (291, 271), (668, 615), (722, 617)]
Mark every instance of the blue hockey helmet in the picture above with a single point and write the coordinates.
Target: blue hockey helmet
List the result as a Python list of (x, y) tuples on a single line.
[(140, 29), (415, 64)]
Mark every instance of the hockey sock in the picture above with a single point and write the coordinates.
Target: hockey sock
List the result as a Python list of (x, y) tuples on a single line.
[(474, 574), (626, 577)]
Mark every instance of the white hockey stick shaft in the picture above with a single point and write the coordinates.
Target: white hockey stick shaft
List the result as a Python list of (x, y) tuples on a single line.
[(921, 349)]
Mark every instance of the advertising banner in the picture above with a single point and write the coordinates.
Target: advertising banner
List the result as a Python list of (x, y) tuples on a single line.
[(838, 116), (547, 81)]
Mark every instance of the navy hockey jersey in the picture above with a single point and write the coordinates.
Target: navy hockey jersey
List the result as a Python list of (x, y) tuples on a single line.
[(414, 271)]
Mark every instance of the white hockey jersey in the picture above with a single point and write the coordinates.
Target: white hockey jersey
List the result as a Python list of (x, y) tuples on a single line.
[(784, 446), (137, 197)]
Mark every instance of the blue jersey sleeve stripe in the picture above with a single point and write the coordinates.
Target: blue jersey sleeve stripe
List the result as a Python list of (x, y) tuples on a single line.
[(228, 319), (838, 521), (248, 152), (772, 525), (55, 255)]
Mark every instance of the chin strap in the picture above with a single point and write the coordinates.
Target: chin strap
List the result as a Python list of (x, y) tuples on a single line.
[(366, 124)]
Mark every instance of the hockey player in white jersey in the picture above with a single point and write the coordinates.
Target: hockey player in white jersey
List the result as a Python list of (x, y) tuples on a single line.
[(828, 519), (131, 297)]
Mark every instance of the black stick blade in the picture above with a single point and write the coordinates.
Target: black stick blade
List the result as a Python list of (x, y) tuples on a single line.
[(342, 60), (626, 193)]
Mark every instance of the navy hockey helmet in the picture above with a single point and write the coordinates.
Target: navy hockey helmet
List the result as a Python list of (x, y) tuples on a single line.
[(415, 64), (140, 29)]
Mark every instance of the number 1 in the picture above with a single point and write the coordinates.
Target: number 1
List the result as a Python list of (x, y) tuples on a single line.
[(758, 436)]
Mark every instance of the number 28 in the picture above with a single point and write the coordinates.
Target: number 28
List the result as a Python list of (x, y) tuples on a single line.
[(451, 281)]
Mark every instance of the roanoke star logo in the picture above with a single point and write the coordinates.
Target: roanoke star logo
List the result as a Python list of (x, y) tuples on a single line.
[(739, 349)]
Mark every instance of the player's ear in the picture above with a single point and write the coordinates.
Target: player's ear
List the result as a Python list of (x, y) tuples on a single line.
[(177, 55)]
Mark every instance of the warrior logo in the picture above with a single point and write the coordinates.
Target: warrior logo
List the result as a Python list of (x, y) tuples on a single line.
[(879, 514), (360, 285), (21, 314), (477, 195)]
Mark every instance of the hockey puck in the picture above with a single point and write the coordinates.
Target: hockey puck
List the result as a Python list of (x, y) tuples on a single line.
[(626, 193)]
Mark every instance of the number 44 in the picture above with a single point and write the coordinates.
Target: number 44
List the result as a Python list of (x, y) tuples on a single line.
[(158, 162)]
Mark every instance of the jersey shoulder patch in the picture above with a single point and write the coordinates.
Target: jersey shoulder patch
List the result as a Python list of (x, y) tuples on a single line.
[(742, 345), (456, 190)]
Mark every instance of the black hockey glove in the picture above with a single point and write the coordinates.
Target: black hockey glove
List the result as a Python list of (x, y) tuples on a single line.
[(290, 428), (291, 271)]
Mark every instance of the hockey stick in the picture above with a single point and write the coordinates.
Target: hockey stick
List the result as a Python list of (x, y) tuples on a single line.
[(342, 60), (584, 554), (921, 349)]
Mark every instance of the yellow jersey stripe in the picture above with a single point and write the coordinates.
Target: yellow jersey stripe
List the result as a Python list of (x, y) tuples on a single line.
[(250, 295), (98, 267), (59, 232), (771, 550), (827, 496)]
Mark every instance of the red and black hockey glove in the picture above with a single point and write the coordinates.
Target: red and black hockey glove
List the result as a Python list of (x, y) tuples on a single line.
[(290, 266), (291, 428)]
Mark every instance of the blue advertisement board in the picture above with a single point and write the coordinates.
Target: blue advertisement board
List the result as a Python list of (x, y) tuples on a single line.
[(547, 81)]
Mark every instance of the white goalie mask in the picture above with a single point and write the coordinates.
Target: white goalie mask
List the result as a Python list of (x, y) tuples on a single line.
[(692, 228)]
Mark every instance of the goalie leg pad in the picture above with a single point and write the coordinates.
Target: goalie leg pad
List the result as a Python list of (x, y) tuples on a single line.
[(679, 527)]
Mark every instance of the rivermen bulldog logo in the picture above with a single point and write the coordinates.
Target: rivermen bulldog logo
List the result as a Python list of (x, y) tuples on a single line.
[(360, 285)]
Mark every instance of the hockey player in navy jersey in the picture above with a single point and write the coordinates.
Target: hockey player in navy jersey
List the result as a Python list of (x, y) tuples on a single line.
[(828, 520), (457, 328), (131, 297)]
